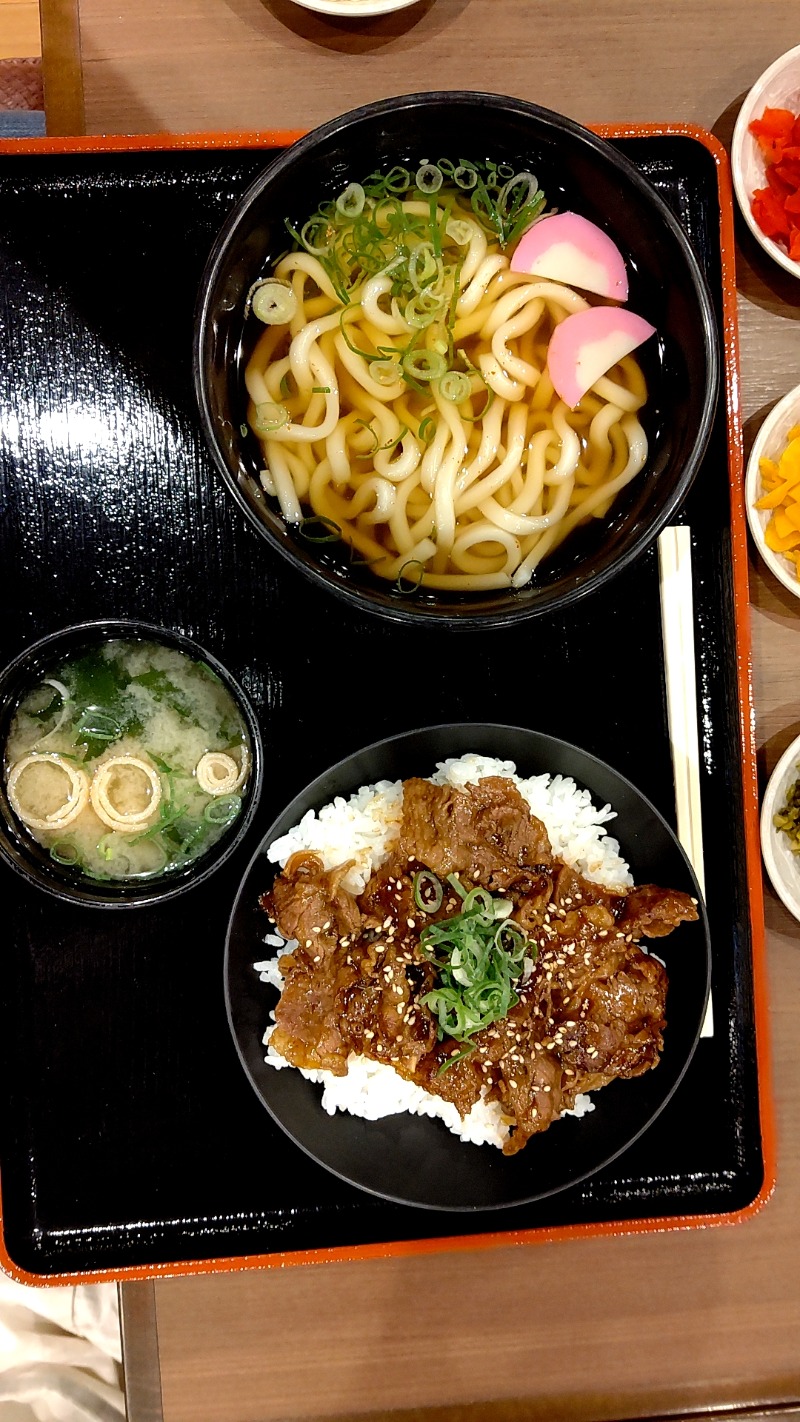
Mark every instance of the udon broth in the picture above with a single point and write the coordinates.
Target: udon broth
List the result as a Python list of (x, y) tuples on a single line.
[(127, 761), (400, 391)]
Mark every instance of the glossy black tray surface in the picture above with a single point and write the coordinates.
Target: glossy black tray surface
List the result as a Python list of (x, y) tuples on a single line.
[(129, 1134)]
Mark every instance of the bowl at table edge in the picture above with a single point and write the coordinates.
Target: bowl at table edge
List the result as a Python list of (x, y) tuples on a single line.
[(355, 9), (782, 866), (415, 1160), (769, 444), (576, 169), (778, 87), (30, 859)]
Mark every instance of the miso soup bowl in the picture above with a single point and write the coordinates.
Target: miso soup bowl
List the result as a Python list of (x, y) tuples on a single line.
[(577, 170), (32, 861)]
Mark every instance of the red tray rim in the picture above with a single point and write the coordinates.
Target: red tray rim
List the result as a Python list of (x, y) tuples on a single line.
[(281, 138)]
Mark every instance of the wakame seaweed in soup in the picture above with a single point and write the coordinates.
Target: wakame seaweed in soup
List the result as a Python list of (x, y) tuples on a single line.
[(127, 761)]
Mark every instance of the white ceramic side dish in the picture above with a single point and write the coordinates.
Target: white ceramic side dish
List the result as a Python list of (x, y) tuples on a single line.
[(782, 866), (777, 88), (769, 444), (355, 9)]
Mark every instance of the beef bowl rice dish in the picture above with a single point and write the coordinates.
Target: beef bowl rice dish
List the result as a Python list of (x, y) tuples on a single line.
[(469, 946), (447, 381)]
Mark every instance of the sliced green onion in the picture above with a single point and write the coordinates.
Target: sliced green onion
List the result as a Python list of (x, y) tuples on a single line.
[(427, 430), (406, 584), (423, 267), (350, 203), (320, 390), (317, 249), (378, 448), (319, 529), (465, 176), (385, 372), (397, 180), (222, 811), (459, 231), (393, 443), (490, 399), (480, 955), (274, 302), (480, 901), (516, 194), (525, 219), (456, 1057), (429, 178), (270, 417), (375, 446), (455, 386), (191, 841), (64, 852), (368, 356), (428, 891), (424, 365), (107, 847), (422, 310)]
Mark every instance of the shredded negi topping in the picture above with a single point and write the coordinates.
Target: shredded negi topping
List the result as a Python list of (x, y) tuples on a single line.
[(409, 227), (475, 962), (480, 953)]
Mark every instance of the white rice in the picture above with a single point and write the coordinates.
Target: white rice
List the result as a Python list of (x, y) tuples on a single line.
[(363, 828)]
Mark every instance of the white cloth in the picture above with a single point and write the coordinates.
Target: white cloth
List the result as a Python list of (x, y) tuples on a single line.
[(60, 1354)]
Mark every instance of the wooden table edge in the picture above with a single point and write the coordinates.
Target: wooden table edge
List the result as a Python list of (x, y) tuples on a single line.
[(141, 1358)]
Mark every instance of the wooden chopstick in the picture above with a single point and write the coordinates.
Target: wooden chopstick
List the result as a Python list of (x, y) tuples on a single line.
[(677, 624)]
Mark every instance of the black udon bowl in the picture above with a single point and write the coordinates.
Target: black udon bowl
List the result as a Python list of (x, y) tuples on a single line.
[(576, 170), (30, 859), (415, 1160)]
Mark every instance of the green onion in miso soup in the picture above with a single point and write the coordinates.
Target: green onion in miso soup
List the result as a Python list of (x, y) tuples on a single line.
[(128, 761)]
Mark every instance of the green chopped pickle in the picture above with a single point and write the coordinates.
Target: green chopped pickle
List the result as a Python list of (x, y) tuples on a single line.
[(788, 818), (127, 762)]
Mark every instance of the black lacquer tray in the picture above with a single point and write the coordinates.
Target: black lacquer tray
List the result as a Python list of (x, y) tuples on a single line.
[(130, 1137)]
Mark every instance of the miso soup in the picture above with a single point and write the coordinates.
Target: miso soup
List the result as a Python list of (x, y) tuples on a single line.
[(127, 761)]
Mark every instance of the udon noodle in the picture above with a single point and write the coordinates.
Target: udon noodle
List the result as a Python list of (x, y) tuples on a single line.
[(401, 395)]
